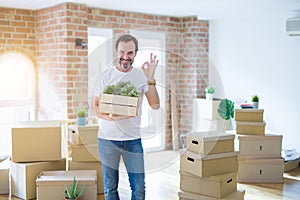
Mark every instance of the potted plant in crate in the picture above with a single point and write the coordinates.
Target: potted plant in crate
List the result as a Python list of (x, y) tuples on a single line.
[(72, 191), (255, 101), (209, 91), (120, 99), (81, 117)]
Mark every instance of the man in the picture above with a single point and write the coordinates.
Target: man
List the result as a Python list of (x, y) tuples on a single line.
[(120, 135)]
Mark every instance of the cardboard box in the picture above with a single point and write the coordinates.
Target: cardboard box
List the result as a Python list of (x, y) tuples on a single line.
[(237, 195), (250, 128), (119, 105), (4, 181), (290, 165), (261, 171), (249, 115), (4, 174), (37, 141), (23, 176), (51, 184), (214, 186), (208, 165), (256, 146), (83, 134), (73, 165), (210, 142), (87, 152)]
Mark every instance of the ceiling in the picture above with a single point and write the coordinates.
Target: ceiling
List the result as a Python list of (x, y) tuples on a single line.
[(204, 9)]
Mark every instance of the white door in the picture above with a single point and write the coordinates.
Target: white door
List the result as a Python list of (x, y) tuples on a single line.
[(153, 121)]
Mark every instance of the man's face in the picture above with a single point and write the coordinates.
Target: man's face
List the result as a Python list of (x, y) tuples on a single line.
[(126, 53)]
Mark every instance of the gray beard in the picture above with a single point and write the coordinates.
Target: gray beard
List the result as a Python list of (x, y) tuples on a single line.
[(125, 67)]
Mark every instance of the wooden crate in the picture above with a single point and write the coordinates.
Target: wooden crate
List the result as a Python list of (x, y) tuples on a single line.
[(119, 105)]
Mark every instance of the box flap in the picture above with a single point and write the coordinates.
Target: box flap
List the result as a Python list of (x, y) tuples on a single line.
[(55, 178), (210, 136), (206, 157), (37, 124)]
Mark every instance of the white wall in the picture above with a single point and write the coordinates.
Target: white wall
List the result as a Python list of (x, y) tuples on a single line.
[(252, 54)]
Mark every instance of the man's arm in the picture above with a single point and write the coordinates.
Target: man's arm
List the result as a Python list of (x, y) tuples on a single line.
[(152, 97), (149, 70)]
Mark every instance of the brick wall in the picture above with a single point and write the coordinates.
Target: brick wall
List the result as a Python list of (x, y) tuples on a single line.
[(62, 70)]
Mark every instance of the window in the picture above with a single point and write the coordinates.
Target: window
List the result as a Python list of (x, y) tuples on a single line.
[(153, 121), (17, 89)]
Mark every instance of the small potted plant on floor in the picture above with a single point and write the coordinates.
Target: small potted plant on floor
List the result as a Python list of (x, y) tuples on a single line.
[(209, 91), (255, 101), (73, 192), (81, 117)]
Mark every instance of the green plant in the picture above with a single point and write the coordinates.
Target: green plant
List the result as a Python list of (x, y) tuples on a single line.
[(72, 191), (122, 88), (255, 98), (210, 90), (226, 109), (81, 113)]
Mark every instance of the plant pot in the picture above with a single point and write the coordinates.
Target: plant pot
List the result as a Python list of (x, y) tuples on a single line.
[(209, 96), (255, 105), (81, 121)]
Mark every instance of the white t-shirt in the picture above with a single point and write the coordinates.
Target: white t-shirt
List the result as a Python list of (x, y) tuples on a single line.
[(127, 129)]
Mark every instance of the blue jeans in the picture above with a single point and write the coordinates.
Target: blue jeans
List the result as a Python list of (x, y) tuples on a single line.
[(133, 156)]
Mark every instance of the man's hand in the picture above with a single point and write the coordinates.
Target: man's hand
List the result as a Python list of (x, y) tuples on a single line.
[(149, 67)]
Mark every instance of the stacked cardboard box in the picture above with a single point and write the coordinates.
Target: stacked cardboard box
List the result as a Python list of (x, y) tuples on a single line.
[(260, 158), (36, 146), (250, 121), (208, 168), (52, 184), (84, 151), (4, 175)]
